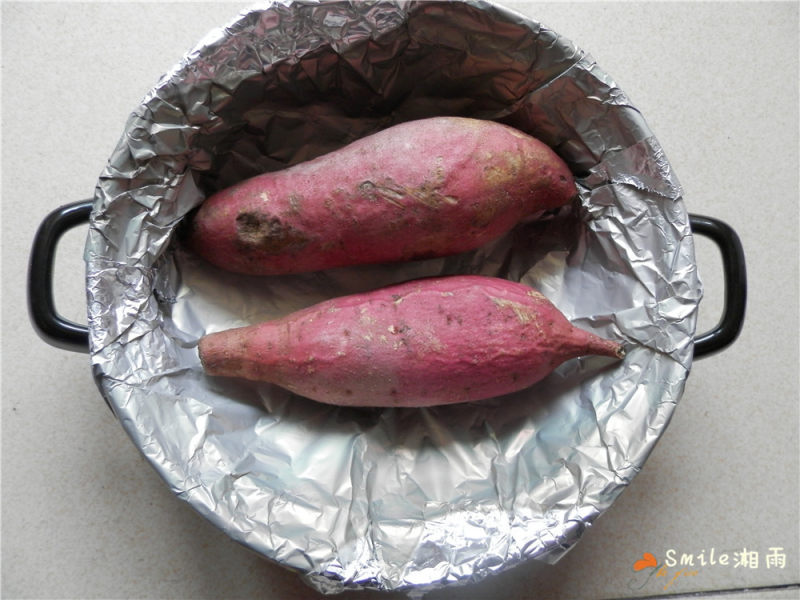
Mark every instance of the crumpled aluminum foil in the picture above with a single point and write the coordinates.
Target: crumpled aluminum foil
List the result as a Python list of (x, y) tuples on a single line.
[(393, 498)]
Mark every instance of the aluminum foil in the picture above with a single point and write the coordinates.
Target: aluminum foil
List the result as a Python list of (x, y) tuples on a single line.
[(390, 498)]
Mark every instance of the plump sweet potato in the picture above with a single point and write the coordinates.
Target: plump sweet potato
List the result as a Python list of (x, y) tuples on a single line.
[(425, 188), (426, 342)]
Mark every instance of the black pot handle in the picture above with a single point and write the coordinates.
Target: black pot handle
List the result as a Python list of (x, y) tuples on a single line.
[(735, 277), (51, 327)]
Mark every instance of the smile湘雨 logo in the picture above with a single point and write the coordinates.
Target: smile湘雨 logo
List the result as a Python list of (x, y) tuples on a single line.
[(677, 566)]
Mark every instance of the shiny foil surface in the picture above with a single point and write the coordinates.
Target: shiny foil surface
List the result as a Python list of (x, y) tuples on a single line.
[(393, 498)]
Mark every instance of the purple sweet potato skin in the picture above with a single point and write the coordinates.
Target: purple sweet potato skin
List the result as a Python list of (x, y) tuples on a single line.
[(426, 342), (425, 188)]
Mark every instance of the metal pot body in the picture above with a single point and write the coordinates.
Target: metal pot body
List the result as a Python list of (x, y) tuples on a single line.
[(396, 497)]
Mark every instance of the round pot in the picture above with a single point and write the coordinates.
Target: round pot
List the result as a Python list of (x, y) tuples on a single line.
[(389, 498)]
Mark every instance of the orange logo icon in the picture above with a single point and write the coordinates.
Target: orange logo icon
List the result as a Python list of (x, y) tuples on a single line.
[(647, 560)]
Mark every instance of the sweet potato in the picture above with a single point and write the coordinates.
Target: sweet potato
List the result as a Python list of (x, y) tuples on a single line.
[(425, 342), (425, 188)]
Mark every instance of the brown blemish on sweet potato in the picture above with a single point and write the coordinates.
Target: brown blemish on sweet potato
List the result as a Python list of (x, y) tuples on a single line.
[(295, 202), (504, 170), (428, 192), (387, 190), (524, 313), (267, 233), (486, 212)]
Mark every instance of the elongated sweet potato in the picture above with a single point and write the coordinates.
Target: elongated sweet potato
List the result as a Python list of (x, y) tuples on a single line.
[(424, 188), (425, 342)]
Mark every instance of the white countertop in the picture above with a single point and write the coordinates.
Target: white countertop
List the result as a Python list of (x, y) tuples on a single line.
[(84, 515)]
